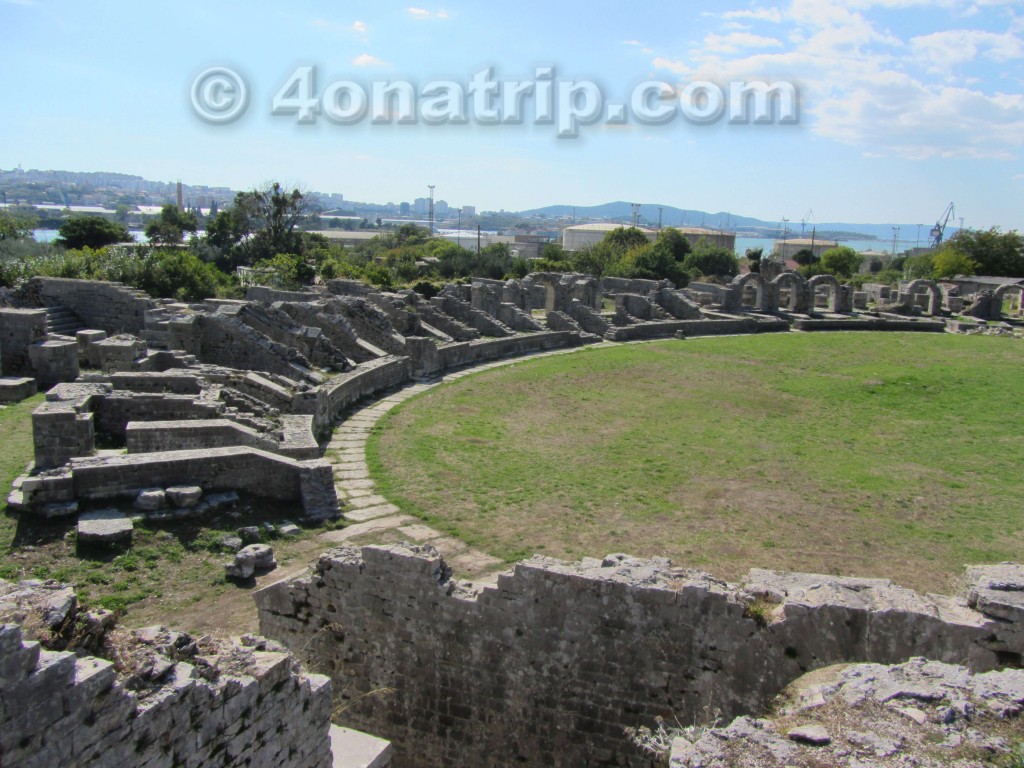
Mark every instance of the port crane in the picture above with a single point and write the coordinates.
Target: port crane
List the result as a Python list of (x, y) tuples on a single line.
[(939, 230)]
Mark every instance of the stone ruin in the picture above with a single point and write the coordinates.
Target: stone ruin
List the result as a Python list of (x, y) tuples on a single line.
[(152, 697), (174, 409), (551, 663), (234, 396)]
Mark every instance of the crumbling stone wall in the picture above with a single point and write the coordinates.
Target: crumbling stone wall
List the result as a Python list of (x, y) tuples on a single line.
[(245, 708), (111, 307), (550, 664), (330, 400), (19, 329), (279, 326), (225, 340), (335, 326)]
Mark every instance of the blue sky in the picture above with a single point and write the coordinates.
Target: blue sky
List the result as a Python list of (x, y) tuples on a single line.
[(905, 105)]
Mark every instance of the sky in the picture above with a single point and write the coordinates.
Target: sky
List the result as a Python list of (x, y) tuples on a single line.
[(903, 105)]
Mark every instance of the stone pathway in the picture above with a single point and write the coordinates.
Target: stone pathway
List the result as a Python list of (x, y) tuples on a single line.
[(372, 514)]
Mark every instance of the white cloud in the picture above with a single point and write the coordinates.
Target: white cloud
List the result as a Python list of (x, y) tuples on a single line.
[(632, 42), (736, 41), (366, 60), (759, 14), (861, 84), (672, 65), (360, 28), (943, 51), (423, 13)]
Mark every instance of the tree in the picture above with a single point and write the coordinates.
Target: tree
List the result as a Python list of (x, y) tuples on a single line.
[(995, 253), (674, 243), (753, 257), (708, 259), (950, 262), (920, 266), (14, 226), (876, 265), (91, 232), (272, 215), (805, 256), (625, 238), (553, 252), (841, 261), (171, 226)]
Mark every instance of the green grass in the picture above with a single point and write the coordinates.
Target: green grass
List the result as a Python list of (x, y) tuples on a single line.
[(164, 574), (892, 455)]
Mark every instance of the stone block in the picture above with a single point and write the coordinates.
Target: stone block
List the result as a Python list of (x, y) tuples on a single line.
[(14, 389), (88, 356), (184, 495), (151, 499), (249, 560), (104, 526)]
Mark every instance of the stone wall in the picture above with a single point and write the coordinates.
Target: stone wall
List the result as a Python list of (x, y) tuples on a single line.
[(224, 340), (110, 307), (245, 708), (550, 664), (19, 329), (214, 469), (328, 401), (867, 324), (156, 436), (661, 328)]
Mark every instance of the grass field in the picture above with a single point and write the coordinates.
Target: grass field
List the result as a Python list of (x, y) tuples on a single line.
[(885, 455)]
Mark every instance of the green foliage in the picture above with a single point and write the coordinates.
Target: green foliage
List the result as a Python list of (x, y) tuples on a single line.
[(553, 253), (427, 289), (841, 261), (708, 259), (16, 226), (285, 271), (380, 276), (810, 270), (171, 226), (995, 253), (805, 256), (876, 265), (91, 232), (949, 262), (168, 273), (920, 266), (625, 238)]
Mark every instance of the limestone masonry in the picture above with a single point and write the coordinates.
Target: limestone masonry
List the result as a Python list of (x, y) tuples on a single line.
[(550, 664), (174, 411)]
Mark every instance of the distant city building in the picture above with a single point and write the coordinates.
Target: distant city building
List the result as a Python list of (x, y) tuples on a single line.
[(469, 210), (529, 246), (441, 208), (421, 206), (404, 209), (787, 249)]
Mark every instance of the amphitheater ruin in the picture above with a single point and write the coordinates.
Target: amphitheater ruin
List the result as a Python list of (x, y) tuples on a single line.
[(169, 411)]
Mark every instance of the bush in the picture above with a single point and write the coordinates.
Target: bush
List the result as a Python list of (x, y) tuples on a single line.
[(841, 261), (91, 232), (708, 259)]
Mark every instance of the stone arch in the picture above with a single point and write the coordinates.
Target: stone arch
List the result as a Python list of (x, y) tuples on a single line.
[(835, 292), (1000, 294), (935, 303), (797, 291), (740, 283)]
